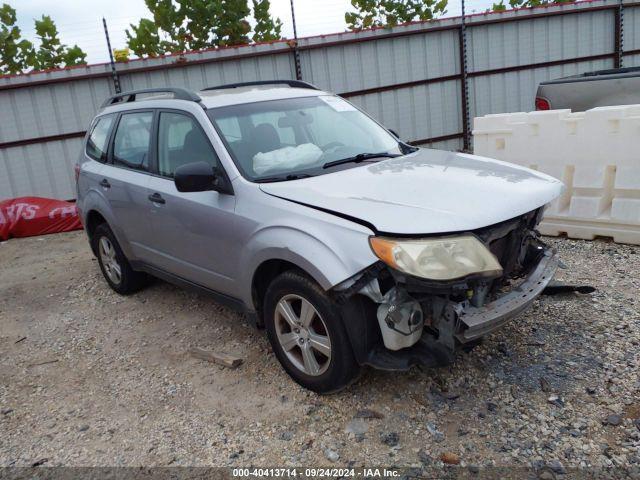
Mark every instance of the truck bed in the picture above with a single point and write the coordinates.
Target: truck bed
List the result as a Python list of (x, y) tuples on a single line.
[(591, 89)]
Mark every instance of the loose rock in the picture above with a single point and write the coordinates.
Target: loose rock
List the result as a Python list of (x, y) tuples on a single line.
[(392, 438), (613, 420), (544, 385), (450, 458), (556, 400), (331, 455)]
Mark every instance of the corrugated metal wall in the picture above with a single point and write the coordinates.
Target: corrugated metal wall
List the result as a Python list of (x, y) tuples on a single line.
[(408, 77), (632, 37), (415, 111), (531, 42)]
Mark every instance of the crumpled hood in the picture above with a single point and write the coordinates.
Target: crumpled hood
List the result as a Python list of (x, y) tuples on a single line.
[(428, 191)]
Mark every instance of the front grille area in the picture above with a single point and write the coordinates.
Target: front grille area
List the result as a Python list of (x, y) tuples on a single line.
[(511, 241), (502, 248)]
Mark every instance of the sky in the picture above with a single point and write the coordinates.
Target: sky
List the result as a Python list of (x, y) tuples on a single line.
[(80, 21)]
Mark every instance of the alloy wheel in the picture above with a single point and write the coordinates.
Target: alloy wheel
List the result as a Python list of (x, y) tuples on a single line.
[(303, 335), (109, 261)]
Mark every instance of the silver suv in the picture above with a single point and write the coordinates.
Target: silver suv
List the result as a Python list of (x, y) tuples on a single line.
[(349, 246)]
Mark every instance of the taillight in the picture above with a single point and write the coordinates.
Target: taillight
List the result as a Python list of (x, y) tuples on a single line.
[(542, 104), (76, 169)]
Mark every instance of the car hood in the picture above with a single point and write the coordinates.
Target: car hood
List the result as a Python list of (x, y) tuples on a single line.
[(425, 192)]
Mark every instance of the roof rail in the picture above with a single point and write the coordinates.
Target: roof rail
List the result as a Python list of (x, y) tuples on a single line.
[(178, 94), (291, 83)]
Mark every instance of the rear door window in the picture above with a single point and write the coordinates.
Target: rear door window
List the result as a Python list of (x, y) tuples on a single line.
[(99, 137), (132, 140)]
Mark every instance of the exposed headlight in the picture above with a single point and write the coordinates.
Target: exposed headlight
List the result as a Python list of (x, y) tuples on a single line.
[(444, 258)]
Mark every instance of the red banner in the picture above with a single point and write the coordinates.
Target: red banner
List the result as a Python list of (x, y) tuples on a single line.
[(30, 216)]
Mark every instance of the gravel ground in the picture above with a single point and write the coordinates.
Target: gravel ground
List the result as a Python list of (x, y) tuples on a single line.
[(90, 378)]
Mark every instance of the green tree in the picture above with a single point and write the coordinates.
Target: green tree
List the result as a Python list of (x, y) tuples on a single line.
[(388, 13), (16, 54), (145, 39), (182, 25), (266, 29), (51, 53), (501, 7), (232, 27)]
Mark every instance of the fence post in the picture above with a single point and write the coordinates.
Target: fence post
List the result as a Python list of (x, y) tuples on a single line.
[(618, 61), (464, 89), (296, 53), (114, 73)]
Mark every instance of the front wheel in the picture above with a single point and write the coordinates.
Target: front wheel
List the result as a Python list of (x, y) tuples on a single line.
[(114, 265), (306, 332)]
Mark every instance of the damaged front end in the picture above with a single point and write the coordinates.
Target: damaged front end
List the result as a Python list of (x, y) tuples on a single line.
[(423, 321)]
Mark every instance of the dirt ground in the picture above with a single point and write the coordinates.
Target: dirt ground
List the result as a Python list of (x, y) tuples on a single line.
[(90, 378)]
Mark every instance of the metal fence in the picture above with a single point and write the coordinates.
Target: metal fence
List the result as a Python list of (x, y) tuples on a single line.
[(410, 77)]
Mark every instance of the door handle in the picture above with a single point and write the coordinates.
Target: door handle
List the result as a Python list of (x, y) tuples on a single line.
[(105, 183), (156, 198)]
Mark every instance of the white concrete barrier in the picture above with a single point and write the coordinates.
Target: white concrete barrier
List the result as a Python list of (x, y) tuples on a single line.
[(595, 153)]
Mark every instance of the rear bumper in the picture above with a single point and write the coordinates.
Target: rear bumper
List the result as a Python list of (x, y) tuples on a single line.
[(477, 322)]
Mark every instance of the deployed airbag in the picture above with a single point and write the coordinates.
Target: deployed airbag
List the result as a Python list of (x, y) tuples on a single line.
[(286, 158)]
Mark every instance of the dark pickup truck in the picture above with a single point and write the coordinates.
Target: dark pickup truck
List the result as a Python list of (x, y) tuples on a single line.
[(620, 86)]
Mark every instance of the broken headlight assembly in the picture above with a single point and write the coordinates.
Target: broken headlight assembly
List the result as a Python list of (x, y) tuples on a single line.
[(437, 258)]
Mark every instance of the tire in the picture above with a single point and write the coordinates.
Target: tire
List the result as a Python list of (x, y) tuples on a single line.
[(299, 337), (114, 265)]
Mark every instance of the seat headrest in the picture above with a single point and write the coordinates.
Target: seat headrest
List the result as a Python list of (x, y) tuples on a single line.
[(196, 146), (266, 138)]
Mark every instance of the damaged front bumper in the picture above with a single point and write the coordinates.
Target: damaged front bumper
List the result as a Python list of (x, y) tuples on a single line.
[(477, 322), (414, 322)]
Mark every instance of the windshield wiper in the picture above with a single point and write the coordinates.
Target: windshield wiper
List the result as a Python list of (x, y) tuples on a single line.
[(283, 178), (359, 158)]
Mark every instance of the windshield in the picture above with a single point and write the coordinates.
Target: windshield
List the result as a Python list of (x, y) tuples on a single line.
[(296, 137)]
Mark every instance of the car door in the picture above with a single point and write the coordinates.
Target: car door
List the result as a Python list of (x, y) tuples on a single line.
[(125, 178), (193, 232), (94, 156)]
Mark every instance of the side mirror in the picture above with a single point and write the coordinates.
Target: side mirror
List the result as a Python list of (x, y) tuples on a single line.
[(197, 177), (394, 133)]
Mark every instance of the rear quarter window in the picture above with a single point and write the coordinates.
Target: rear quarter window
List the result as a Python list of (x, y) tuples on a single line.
[(98, 138)]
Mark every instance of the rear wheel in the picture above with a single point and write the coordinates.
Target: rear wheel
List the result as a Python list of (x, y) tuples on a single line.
[(114, 265), (306, 332)]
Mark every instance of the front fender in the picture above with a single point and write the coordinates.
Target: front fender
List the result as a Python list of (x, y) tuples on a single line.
[(327, 260)]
